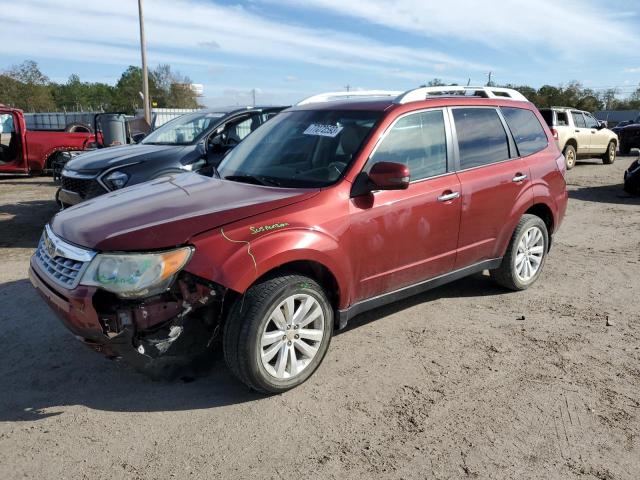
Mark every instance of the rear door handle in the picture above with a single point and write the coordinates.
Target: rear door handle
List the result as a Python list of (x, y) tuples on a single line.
[(577, 131), (520, 177), (448, 196)]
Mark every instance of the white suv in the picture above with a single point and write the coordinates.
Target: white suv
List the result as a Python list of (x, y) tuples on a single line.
[(579, 134)]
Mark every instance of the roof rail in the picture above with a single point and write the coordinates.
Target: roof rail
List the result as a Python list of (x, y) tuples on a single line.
[(422, 93), (332, 96)]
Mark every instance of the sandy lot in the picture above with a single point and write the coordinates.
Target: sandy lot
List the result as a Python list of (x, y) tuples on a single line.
[(450, 384)]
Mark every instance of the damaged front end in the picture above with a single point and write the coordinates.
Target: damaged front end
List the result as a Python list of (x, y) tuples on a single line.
[(179, 324), (140, 306)]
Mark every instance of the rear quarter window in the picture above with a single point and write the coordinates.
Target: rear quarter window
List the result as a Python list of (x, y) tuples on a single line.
[(526, 130), (548, 116)]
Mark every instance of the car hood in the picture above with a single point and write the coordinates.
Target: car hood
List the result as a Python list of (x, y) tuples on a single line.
[(167, 212), (97, 160)]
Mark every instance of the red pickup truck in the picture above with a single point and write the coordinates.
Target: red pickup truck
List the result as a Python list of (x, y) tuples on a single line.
[(24, 151)]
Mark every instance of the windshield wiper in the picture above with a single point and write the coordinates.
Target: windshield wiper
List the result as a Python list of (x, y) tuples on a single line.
[(253, 179)]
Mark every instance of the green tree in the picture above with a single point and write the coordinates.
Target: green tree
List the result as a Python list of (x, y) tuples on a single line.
[(27, 87)]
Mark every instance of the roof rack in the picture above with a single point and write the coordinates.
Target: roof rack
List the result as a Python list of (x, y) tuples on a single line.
[(423, 93), (332, 96)]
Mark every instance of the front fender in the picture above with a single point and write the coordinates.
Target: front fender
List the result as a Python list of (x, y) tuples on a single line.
[(237, 258)]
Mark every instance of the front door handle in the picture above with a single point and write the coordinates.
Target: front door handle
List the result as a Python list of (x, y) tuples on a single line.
[(577, 131), (520, 177), (445, 197)]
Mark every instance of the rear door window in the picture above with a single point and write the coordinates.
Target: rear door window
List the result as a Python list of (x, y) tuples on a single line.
[(578, 119), (526, 130), (417, 140), (562, 120), (482, 139)]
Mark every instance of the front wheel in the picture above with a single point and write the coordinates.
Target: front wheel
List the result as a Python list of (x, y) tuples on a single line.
[(278, 332), (523, 262), (610, 155)]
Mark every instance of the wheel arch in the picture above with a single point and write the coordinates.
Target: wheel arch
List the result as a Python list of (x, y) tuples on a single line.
[(314, 270), (573, 142), (543, 211)]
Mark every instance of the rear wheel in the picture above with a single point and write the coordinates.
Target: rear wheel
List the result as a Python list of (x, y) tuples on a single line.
[(610, 155), (278, 332), (523, 262), (570, 156)]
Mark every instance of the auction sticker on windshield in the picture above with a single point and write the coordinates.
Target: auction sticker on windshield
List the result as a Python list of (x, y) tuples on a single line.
[(323, 130)]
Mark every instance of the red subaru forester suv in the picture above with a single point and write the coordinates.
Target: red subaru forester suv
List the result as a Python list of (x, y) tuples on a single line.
[(331, 208)]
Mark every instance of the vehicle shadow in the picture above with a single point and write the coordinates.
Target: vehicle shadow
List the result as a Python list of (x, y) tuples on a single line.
[(21, 223), (604, 194), (43, 369), (478, 285)]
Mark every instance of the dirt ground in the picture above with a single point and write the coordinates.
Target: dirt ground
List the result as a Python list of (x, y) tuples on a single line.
[(466, 381)]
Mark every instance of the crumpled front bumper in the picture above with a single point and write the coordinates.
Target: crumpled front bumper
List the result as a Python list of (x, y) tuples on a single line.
[(75, 310), (128, 332)]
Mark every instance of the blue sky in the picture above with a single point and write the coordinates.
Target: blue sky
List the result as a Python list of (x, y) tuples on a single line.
[(289, 49)]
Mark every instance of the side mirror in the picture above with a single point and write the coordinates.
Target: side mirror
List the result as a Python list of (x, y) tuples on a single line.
[(138, 137), (389, 176), (382, 176)]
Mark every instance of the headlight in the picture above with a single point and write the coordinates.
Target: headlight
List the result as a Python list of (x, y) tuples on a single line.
[(134, 275), (116, 180)]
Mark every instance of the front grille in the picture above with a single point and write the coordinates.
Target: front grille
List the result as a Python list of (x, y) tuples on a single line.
[(85, 187), (61, 262)]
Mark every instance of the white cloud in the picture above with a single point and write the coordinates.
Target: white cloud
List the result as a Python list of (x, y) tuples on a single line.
[(194, 32), (632, 70), (567, 27)]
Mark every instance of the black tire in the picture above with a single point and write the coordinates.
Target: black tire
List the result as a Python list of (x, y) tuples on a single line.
[(610, 155), (570, 156), (625, 149), (246, 322), (76, 127), (506, 275)]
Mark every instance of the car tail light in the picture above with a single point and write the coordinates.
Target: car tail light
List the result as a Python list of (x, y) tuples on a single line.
[(562, 165), (554, 132)]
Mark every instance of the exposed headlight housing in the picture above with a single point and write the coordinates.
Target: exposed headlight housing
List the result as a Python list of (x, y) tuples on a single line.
[(135, 275), (116, 180)]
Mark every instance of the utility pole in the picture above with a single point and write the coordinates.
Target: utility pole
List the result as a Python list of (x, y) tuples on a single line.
[(145, 72), (489, 81), (253, 94), (347, 87)]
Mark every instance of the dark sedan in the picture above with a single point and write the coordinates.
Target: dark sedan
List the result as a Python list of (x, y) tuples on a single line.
[(629, 136), (193, 142)]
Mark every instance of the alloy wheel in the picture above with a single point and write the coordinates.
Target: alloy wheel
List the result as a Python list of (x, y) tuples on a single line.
[(530, 253), (292, 336)]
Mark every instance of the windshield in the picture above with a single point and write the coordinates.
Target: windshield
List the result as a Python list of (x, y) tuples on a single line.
[(300, 149), (183, 130)]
